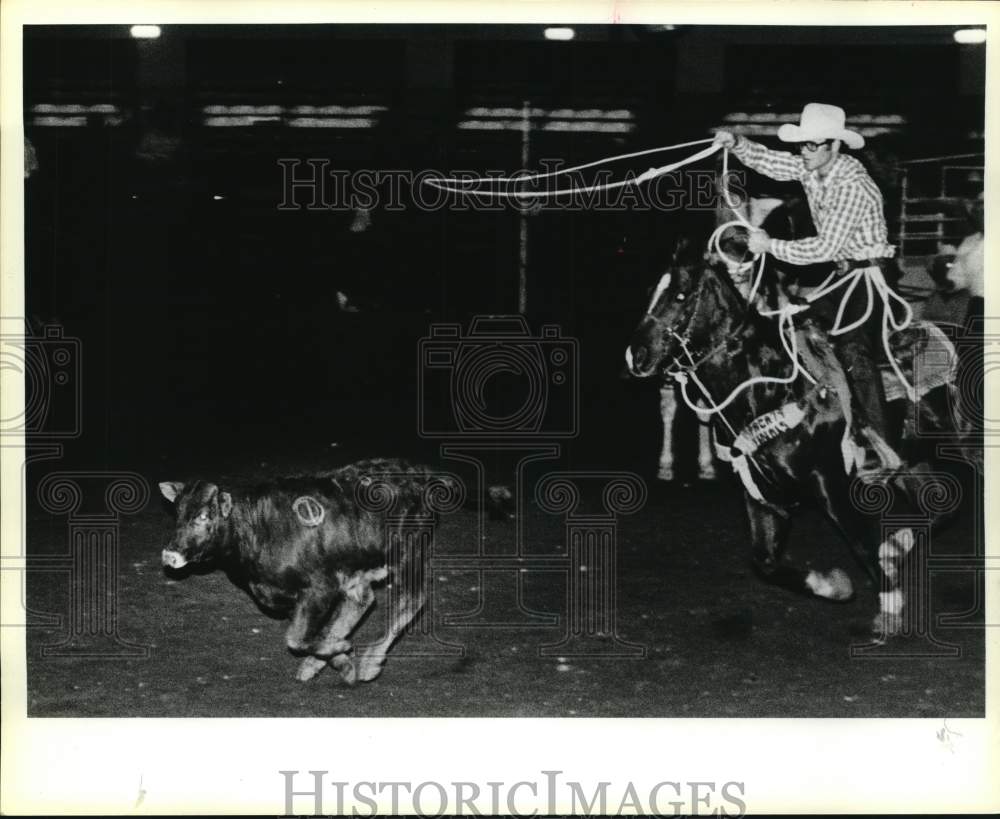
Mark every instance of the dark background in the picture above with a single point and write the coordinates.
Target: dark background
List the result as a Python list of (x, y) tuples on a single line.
[(208, 323), (210, 343)]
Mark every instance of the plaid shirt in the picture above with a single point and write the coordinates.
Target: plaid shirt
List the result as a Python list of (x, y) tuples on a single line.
[(846, 207)]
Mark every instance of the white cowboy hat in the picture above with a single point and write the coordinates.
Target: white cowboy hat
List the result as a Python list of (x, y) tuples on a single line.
[(819, 122)]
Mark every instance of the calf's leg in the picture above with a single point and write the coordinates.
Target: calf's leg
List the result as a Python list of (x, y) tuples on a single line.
[(311, 615), (332, 647), (408, 605)]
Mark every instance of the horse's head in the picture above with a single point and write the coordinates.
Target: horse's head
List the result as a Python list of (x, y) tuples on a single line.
[(690, 311)]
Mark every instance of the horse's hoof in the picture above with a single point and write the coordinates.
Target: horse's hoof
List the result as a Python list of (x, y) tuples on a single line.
[(345, 666), (835, 585), (840, 585), (309, 668)]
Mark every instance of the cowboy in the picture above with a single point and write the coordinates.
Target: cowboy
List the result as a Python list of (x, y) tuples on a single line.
[(846, 207)]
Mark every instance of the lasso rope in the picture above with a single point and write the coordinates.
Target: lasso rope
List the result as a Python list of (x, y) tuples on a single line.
[(449, 183), (789, 340)]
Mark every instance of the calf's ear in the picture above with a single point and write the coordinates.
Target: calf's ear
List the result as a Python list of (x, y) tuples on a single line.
[(225, 504), (171, 489)]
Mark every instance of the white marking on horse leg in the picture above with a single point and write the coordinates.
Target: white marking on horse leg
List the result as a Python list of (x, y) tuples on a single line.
[(668, 411), (891, 602), (889, 620), (887, 554), (905, 539), (833, 586), (706, 460), (891, 551)]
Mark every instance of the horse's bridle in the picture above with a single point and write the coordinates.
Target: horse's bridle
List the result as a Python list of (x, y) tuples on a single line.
[(684, 341)]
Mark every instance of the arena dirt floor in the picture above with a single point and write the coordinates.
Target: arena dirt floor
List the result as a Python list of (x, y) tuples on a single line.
[(698, 635)]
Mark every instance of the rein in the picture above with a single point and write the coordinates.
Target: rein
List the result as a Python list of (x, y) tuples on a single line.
[(789, 341)]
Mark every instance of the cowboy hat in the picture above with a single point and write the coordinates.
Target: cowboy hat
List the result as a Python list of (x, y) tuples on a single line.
[(819, 122)]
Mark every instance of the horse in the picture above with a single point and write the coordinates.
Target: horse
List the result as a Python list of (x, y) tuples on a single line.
[(790, 434)]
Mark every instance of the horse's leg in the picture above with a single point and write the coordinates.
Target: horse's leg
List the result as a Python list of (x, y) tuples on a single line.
[(882, 557), (768, 533), (891, 553), (706, 456), (668, 411)]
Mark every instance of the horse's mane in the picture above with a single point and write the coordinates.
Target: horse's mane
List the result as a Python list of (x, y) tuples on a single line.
[(750, 318)]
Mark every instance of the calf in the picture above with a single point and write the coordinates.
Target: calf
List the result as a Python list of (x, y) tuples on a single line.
[(311, 547)]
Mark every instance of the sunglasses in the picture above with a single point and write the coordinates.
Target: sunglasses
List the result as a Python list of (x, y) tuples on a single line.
[(814, 146)]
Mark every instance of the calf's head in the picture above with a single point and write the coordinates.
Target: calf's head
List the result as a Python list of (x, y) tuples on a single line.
[(202, 525)]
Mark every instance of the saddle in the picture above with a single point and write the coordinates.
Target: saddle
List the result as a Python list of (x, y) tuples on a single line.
[(926, 357), (862, 448)]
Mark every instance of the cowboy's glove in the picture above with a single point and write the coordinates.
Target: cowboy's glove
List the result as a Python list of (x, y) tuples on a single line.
[(759, 242), (725, 139)]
